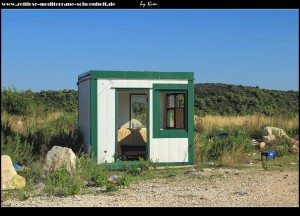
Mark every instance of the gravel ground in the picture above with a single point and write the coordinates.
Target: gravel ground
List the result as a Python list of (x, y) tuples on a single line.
[(203, 188)]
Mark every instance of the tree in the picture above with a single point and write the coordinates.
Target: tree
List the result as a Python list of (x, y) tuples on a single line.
[(17, 102)]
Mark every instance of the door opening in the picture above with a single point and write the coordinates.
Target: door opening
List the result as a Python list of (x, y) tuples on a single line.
[(132, 120)]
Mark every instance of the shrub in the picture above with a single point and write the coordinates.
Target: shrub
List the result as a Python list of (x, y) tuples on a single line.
[(282, 146), (111, 188), (144, 165), (34, 172), (21, 152), (124, 181), (90, 171), (61, 183)]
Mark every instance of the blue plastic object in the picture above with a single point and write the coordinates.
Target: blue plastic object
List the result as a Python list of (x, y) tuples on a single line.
[(16, 166), (268, 155)]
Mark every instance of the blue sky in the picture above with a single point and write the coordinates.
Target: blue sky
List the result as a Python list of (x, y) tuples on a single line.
[(48, 49)]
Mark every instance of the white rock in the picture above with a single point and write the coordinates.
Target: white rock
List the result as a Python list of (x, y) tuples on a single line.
[(58, 157), (7, 172)]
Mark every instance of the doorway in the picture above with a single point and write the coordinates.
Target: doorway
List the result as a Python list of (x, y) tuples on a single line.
[(132, 120)]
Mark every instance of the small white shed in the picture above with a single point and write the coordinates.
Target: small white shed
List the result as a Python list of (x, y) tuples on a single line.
[(124, 115)]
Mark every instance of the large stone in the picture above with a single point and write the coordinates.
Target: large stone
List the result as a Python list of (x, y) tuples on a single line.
[(17, 182), (269, 138), (270, 133), (7, 172), (273, 130), (59, 157)]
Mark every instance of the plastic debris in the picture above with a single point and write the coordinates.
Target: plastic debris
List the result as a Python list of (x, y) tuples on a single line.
[(268, 155), (17, 166), (113, 179)]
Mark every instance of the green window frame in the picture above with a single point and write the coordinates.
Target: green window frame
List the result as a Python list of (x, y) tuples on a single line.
[(169, 89)]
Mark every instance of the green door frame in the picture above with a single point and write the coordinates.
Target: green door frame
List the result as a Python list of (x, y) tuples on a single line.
[(117, 114)]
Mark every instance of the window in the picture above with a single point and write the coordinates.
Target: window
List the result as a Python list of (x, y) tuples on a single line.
[(138, 111), (172, 110)]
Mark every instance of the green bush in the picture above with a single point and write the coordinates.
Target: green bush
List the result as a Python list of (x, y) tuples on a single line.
[(232, 148), (282, 146), (124, 181), (21, 152), (27, 191), (90, 171), (144, 165), (134, 171), (61, 183), (33, 172)]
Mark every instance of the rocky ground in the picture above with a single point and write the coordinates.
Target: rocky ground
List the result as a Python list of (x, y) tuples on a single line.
[(201, 188)]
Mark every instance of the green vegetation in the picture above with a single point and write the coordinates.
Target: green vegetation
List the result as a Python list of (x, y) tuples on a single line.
[(223, 99), (32, 123)]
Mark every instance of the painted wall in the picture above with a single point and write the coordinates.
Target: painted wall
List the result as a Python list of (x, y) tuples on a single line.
[(84, 112), (106, 121), (167, 149)]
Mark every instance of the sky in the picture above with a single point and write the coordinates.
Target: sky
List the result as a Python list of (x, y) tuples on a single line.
[(48, 49)]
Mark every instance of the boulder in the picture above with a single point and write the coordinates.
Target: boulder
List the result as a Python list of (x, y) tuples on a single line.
[(57, 158), (269, 138), (270, 133), (17, 182), (7, 172)]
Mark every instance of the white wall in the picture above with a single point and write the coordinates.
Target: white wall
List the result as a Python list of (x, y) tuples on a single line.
[(106, 121), (167, 149), (126, 83), (84, 111)]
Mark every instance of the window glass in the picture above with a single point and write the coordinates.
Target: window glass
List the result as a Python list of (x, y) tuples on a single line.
[(138, 111), (172, 110)]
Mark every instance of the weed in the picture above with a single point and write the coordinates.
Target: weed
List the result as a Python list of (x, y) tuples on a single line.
[(134, 171), (111, 188), (61, 183), (124, 181), (264, 164)]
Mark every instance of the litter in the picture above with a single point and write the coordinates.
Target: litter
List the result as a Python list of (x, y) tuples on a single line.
[(17, 166), (242, 193), (268, 155), (113, 179)]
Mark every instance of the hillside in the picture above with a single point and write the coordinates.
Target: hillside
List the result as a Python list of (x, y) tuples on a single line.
[(212, 98), (224, 99)]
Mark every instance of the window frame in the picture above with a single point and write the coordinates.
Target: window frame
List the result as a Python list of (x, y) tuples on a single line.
[(172, 89)]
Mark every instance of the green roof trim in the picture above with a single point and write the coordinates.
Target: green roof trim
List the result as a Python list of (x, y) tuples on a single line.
[(138, 75)]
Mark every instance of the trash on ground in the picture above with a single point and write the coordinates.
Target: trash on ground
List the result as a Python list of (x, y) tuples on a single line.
[(242, 193), (16, 166), (268, 155), (113, 179)]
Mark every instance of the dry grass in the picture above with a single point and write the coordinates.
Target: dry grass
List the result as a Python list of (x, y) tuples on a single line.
[(22, 124), (209, 122)]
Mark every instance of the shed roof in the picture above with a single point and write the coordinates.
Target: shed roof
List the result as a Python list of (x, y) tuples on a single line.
[(138, 75)]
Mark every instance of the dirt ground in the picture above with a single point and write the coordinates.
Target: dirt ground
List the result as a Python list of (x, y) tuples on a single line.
[(215, 187)]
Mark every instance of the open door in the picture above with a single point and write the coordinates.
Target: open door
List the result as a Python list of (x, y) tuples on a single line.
[(132, 121)]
